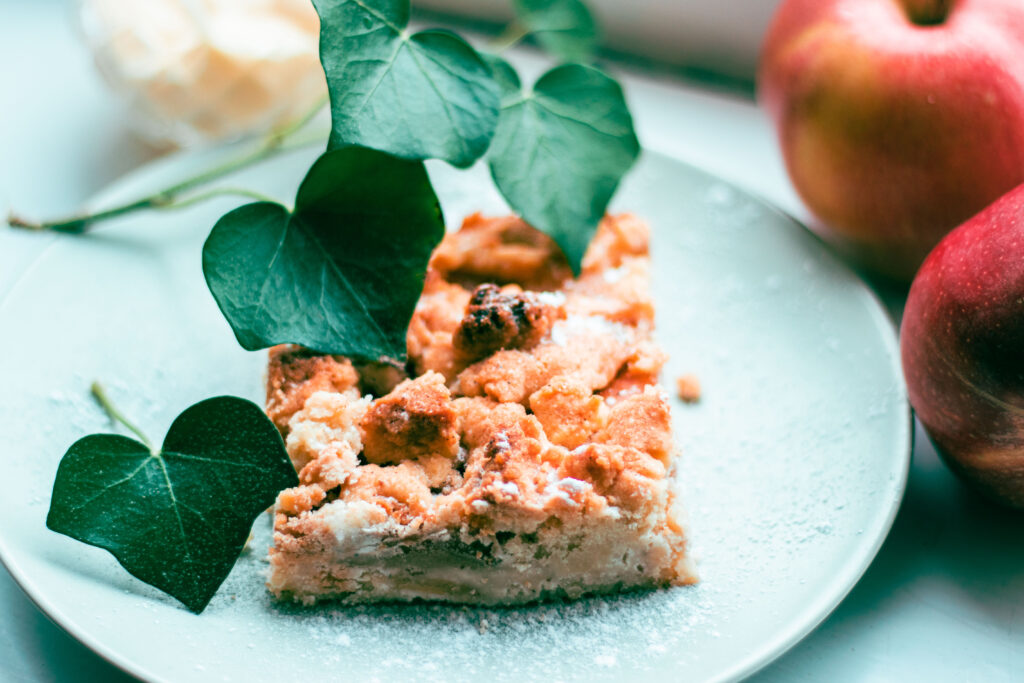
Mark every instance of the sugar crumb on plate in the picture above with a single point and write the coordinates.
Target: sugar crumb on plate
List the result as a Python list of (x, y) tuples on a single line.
[(688, 388)]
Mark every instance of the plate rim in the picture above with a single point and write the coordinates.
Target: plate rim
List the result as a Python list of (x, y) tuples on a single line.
[(160, 170)]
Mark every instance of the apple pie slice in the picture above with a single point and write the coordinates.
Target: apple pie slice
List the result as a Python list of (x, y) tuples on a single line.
[(524, 453)]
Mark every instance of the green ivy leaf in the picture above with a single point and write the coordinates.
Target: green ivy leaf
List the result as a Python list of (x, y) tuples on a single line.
[(565, 28), (561, 149), (427, 95), (176, 518), (343, 271)]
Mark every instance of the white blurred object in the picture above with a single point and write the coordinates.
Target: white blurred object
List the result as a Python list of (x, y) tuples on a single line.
[(196, 71), (722, 37)]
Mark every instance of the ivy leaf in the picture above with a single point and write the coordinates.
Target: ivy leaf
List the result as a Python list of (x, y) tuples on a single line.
[(561, 149), (427, 95), (339, 274), (176, 518), (565, 28)]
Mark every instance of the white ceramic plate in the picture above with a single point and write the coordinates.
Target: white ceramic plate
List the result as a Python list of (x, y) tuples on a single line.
[(795, 459)]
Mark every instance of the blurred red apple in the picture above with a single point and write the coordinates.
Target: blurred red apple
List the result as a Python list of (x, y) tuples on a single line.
[(962, 343), (898, 119)]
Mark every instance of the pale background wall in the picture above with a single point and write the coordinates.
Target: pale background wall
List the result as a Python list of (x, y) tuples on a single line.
[(722, 37)]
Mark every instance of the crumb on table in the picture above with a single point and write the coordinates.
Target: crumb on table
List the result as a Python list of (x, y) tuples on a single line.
[(688, 388)]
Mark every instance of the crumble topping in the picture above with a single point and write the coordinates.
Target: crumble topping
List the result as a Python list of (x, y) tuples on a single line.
[(502, 251), (504, 319), (416, 419), (530, 433), (510, 457), (295, 374)]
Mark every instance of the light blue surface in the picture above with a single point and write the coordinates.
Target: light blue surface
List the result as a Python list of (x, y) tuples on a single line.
[(943, 601)]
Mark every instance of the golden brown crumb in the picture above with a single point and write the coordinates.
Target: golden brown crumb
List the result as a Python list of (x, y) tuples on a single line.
[(300, 499), (569, 411), (591, 350), (294, 374), (624, 475), (479, 418), (501, 250), (413, 420), (401, 490), (640, 371), (326, 431), (618, 238), (642, 421), (688, 388), (619, 294)]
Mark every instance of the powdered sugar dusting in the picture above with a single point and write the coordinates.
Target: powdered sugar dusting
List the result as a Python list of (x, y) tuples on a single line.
[(508, 488), (585, 326), (551, 298), (445, 643)]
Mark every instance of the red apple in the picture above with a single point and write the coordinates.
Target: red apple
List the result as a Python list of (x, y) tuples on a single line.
[(962, 342), (898, 119)]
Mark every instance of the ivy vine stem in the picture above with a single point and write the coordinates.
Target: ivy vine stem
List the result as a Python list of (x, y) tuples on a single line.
[(277, 142), (216, 192), (100, 394), (509, 38)]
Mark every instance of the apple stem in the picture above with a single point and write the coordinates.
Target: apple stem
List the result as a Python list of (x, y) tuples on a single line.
[(927, 12)]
